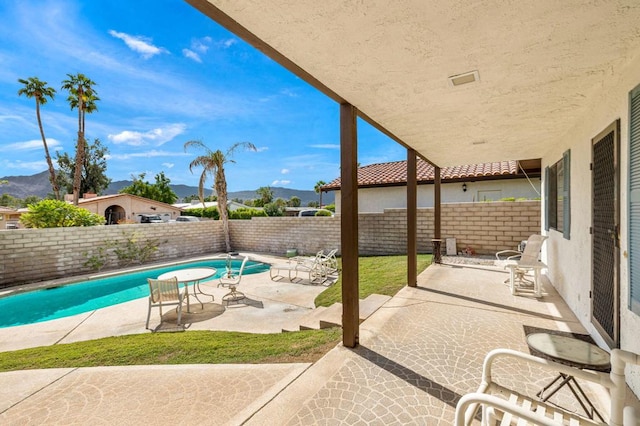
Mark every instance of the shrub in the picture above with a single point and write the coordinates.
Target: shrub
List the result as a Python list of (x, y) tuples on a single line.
[(57, 214), (323, 213), (331, 207), (246, 213), (272, 209)]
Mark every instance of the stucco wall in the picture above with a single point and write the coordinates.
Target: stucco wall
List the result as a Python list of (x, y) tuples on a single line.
[(570, 260), (375, 200), (38, 254)]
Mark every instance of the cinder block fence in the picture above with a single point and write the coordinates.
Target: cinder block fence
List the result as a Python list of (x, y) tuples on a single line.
[(29, 255)]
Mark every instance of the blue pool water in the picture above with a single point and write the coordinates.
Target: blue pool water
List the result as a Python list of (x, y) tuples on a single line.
[(71, 299)]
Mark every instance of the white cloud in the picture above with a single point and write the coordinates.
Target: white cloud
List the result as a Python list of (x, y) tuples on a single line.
[(281, 182), (284, 171), (157, 137), (201, 44), (168, 165), (227, 43), (139, 44), (32, 145), (35, 166), (191, 55), (326, 146), (262, 148), (146, 154)]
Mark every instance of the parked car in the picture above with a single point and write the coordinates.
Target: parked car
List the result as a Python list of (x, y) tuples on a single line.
[(187, 219), (150, 218), (313, 212)]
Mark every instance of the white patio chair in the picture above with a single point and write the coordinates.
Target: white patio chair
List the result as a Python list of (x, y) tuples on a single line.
[(164, 293), (520, 264), (505, 405), (231, 279)]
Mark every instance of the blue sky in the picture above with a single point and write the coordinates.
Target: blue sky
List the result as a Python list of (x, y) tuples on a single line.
[(165, 74)]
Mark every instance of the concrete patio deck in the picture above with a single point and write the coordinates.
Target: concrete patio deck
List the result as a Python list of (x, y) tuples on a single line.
[(418, 354)]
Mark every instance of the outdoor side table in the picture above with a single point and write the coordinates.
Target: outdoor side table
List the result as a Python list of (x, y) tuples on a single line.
[(437, 254), (574, 353)]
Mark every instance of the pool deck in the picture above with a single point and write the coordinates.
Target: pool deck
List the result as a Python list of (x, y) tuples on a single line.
[(418, 355), (270, 306)]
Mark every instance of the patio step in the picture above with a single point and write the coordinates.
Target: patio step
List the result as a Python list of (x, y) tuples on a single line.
[(323, 317), (311, 317), (372, 303)]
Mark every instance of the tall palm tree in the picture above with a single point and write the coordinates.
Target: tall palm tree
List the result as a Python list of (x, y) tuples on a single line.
[(318, 189), (213, 163), (34, 88), (83, 97)]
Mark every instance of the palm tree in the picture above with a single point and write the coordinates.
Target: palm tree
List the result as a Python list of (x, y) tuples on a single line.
[(318, 189), (213, 163), (83, 97), (34, 88)]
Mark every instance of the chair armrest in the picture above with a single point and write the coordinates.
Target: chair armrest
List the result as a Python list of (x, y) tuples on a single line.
[(509, 254), (464, 416)]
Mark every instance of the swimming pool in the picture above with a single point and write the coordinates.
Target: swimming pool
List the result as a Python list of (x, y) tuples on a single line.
[(76, 298)]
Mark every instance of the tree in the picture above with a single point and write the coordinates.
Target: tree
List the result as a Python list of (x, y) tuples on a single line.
[(266, 195), (83, 97), (34, 88), (294, 201), (159, 191), (212, 163), (318, 189), (94, 170), (56, 214)]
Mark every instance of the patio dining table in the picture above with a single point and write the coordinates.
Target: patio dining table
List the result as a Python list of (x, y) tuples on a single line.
[(191, 276)]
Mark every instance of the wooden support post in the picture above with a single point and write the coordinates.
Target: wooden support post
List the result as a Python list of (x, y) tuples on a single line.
[(412, 219), (349, 225), (437, 237)]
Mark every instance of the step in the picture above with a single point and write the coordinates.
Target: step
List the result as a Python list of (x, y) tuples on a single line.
[(307, 318), (312, 322), (332, 316), (371, 304)]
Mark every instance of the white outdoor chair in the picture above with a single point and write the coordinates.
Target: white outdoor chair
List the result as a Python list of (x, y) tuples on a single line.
[(505, 405), (164, 293), (231, 279), (521, 263)]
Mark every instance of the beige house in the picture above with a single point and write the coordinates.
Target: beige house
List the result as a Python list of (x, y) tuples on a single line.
[(118, 208), (384, 185), (9, 218)]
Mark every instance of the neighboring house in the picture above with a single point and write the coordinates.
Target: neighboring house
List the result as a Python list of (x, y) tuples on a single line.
[(384, 185), (118, 208), (195, 204), (9, 218)]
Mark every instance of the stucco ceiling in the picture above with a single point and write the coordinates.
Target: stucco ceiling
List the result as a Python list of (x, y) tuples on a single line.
[(540, 64)]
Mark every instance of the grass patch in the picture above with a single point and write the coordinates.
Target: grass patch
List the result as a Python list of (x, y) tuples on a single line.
[(193, 347), (377, 274)]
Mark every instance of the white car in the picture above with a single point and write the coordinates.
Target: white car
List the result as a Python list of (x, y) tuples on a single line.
[(312, 212), (187, 219)]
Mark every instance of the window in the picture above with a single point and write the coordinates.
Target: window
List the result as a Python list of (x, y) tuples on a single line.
[(557, 195), (634, 200)]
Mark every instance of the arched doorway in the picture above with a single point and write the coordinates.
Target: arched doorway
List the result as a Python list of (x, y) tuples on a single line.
[(113, 214)]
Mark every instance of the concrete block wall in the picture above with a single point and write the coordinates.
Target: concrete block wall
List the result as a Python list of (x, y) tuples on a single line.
[(28, 255), (275, 235)]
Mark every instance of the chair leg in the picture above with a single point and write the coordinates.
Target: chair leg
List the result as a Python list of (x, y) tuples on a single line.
[(148, 315), (179, 313)]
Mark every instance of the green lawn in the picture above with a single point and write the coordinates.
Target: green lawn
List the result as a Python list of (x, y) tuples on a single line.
[(382, 275), (377, 274)]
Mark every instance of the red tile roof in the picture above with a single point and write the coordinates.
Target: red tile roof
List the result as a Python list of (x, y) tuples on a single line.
[(395, 173)]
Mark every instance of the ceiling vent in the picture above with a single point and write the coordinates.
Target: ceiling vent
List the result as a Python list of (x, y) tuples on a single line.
[(466, 78)]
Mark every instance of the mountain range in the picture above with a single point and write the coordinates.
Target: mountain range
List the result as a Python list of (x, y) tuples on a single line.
[(38, 185)]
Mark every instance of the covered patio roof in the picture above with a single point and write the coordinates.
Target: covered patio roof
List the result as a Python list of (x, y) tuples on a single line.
[(534, 67)]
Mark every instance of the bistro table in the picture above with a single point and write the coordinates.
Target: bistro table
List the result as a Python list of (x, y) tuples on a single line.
[(193, 276), (574, 353)]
